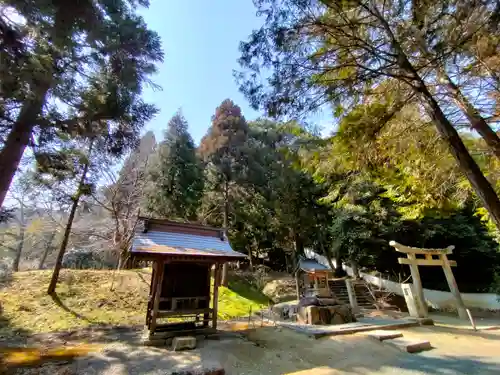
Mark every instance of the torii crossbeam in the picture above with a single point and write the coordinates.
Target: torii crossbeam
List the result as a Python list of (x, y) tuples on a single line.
[(433, 257)]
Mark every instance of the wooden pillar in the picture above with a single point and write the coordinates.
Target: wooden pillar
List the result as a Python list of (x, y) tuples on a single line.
[(417, 283), (217, 275), (157, 294), (206, 316), (152, 288), (353, 301), (462, 312)]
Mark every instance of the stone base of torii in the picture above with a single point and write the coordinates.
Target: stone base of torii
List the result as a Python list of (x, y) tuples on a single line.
[(432, 257)]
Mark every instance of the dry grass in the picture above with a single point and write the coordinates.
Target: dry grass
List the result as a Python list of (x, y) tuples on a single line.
[(85, 297)]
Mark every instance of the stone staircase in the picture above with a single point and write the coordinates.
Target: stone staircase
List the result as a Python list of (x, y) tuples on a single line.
[(363, 296)]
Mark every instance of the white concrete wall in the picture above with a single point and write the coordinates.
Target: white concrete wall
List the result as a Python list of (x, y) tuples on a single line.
[(435, 298)]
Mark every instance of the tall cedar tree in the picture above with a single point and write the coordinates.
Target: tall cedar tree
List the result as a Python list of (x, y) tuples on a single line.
[(341, 52), (176, 174), (60, 43), (124, 196), (223, 147)]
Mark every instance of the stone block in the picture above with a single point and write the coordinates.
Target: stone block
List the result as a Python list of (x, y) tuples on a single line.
[(183, 342), (382, 335), (152, 340), (410, 346), (341, 314), (322, 315), (308, 315), (206, 367), (425, 321), (416, 308), (330, 301)]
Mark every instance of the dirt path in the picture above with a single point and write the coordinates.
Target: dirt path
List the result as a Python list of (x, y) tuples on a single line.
[(280, 351)]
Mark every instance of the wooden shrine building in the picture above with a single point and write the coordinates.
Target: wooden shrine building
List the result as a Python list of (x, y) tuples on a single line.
[(313, 278), (183, 257)]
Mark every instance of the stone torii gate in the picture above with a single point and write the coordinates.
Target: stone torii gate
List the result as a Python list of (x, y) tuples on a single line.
[(432, 257)]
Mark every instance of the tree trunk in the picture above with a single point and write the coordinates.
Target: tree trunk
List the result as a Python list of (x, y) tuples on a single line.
[(467, 164), (224, 281), (250, 258), (125, 262), (355, 269), (478, 123), (22, 130), (339, 270), (20, 239), (48, 246), (19, 249), (121, 261), (16, 142), (298, 250), (62, 249), (327, 256)]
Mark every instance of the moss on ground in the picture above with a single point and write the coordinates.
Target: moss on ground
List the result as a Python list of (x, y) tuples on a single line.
[(91, 297)]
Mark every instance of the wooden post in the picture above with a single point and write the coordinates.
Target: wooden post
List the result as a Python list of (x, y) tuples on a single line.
[(157, 295), (206, 316), (462, 312), (352, 296), (152, 288), (217, 275), (415, 275)]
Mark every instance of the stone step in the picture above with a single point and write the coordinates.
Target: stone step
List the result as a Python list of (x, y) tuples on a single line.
[(183, 343), (409, 346), (382, 335)]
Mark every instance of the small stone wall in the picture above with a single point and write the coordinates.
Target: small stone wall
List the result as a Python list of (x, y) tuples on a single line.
[(322, 315)]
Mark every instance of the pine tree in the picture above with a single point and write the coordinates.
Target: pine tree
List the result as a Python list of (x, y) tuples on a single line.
[(176, 174)]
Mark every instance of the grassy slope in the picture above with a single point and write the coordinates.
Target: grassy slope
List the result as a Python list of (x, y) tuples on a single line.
[(86, 298)]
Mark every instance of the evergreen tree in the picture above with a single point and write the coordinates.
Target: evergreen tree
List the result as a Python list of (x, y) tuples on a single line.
[(342, 53), (176, 174), (93, 56), (223, 149)]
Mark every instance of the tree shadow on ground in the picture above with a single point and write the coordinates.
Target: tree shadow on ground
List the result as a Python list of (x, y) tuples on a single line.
[(418, 364), (60, 303), (242, 356)]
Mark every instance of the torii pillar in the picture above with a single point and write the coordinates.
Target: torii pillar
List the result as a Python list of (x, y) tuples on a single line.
[(429, 260)]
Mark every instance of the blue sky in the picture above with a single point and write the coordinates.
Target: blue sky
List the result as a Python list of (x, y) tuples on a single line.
[(200, 39)]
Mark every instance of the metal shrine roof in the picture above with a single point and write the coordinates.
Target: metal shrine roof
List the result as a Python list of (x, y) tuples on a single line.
[(311, 265), (157, 242)]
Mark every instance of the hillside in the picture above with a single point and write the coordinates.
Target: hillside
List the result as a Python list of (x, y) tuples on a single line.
[(90, 297)]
